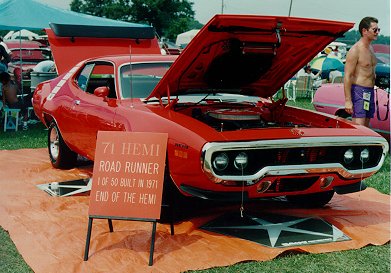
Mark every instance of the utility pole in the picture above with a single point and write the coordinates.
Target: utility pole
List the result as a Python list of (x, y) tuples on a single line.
[(222, 6)]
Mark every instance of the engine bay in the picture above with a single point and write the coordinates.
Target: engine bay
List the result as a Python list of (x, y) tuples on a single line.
[(237, 119), (241, 116)]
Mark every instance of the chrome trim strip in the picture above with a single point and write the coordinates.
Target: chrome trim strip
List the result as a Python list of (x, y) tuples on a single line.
[(339, 106), (212, 147)]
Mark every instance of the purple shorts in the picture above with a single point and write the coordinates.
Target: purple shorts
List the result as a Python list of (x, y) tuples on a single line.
[(363, 101)]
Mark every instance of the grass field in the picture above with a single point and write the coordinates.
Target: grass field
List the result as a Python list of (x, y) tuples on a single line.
[(368, 259)]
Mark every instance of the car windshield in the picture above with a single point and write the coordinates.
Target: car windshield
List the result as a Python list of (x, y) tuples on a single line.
[(140, 79)]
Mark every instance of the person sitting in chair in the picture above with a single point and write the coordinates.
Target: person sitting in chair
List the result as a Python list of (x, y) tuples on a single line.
[(10, 97), (307, 71)]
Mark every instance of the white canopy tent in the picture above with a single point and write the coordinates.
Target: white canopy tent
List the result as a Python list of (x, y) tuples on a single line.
[(22, 34), (184, 38)]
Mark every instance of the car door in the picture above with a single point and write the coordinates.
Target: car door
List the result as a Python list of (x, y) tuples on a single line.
[(89, 113)]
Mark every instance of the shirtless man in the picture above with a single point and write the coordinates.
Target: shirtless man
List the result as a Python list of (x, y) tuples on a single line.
[(359, 80)]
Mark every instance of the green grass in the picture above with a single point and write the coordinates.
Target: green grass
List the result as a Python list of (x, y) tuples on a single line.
[(371, 259), (10, 259), (368, 259), (34, 137)]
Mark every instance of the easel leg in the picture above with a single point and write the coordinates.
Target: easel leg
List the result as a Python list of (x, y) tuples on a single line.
[(172, 227), (87, 248), (152, 249), (110, 225)]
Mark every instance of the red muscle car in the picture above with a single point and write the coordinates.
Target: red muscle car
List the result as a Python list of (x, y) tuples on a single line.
[(226, 139), (25, 55)]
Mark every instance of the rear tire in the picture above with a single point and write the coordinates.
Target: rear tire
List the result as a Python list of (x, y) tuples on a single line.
[(60, 155), (313, 200)]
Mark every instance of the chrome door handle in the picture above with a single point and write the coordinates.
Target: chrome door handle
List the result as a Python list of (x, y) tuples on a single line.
[(77, 102)]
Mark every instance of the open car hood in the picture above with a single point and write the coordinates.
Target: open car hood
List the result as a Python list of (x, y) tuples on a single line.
[(252, 55)]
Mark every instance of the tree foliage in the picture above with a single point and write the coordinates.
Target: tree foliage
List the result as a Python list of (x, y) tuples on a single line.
[(351, 37), (168, 17)]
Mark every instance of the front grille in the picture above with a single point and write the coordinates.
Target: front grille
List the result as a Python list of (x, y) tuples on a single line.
[(260, 158)]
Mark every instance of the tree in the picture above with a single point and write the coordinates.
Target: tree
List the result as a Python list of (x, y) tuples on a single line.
[(168, 17), (353, 36), (114, 9)]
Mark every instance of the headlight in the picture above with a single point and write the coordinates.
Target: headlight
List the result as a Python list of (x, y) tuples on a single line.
[(241, 161), (220, 162), (364, 156), (348, 156)]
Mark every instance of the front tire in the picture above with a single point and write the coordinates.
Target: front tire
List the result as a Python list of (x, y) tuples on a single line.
[(313, 200), (60, 155)]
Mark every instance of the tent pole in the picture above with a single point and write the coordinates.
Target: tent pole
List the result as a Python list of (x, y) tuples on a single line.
[(20, 62)]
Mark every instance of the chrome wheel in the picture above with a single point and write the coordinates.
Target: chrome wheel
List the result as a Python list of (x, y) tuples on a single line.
[(54, 143), (60, 155)]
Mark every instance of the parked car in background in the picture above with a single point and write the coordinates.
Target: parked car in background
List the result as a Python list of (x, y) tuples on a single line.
[(226, 139), (169, 48), (330, 98), (25, 55), (382, 70)]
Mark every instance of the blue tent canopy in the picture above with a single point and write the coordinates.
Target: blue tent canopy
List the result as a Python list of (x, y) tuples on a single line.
[(32, 15)]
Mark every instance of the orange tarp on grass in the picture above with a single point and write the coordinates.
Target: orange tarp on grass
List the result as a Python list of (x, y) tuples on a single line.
[(50, 232)]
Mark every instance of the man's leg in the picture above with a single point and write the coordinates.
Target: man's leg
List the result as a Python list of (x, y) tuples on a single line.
[(360, 121), (367, 122)]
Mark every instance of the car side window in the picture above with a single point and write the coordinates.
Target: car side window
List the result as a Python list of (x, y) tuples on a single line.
[(95, 75), (82, 79)]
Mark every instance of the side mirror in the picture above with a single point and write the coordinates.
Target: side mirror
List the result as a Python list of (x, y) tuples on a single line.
[(102, 91)]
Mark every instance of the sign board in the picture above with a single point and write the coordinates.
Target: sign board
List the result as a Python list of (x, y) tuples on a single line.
[(128, 175)]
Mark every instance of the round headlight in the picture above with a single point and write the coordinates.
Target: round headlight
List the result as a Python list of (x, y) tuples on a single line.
[(348, 156), (220, 162), (364, 156), (241, 161)]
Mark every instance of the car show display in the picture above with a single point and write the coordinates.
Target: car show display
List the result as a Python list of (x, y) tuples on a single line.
[(227, 140)]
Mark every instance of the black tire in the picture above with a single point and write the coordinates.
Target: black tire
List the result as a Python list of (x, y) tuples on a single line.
[(314, 200), (171, 200), (343, 114), (60, 155)]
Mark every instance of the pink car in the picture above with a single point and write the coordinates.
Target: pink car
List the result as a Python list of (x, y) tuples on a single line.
[(329, 98)]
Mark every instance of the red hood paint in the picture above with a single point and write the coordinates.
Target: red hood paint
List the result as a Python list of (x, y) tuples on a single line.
[(253, 54)]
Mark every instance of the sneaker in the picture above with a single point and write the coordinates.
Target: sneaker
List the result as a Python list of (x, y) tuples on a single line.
[(32, 121), (25, 127)]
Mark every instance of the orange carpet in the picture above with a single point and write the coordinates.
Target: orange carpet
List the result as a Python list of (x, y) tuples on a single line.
[(50, 232)]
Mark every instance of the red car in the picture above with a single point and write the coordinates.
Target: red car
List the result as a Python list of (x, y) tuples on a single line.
[(330, 99), (226, 140), (25, 55)]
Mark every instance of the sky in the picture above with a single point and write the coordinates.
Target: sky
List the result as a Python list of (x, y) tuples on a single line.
[(339, 10)]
